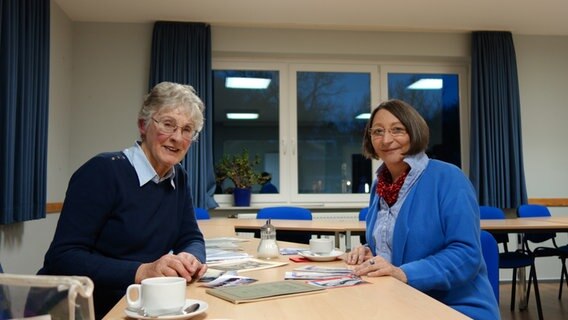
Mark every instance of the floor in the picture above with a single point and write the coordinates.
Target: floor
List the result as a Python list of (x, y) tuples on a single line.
[(552, 308)]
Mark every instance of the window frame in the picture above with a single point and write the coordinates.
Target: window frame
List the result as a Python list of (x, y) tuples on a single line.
[(324, 198), (288, 156), (463, 85)]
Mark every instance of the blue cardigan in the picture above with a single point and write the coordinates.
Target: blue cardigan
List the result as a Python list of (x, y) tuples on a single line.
[(110, 225), (436, 241)]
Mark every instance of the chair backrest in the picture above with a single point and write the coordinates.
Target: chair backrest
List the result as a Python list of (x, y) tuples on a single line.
[(284, 213), (494, 213), (531, 211), (201, 214), (490, 212), (491, 257), (363, 214)]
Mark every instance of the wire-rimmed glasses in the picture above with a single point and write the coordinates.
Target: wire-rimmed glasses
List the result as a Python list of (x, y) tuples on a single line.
[(380, 132), (168, 126)]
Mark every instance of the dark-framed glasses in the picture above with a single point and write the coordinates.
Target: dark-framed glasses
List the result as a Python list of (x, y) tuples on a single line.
[(169, 126), (380, 132)]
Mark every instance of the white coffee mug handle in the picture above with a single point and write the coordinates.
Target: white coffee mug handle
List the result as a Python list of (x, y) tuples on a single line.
[(137, 304)]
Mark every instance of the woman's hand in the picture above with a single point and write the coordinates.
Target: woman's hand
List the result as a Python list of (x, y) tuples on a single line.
[(183, 265), (359, 255), (378, 267)]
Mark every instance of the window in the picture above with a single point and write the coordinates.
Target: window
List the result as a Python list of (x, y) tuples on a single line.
[(331, 109), (437, 94), (438, 104), (310, 120), (246, 116)]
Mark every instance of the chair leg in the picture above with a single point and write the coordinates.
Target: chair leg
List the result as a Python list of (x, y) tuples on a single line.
[(563, 275), (528, 293), (513, 289), (536, 292)]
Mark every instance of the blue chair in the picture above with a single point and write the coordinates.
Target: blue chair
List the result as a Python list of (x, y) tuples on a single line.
[(362, 217), (514, 259), (287, 213), (490, 251), (363, 214), (284, 213), (535, 210), (201, 214)]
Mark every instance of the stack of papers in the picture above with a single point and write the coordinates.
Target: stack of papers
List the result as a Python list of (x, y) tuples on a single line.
[(344, 281), (218, 255), (243, 265), (316, 273), (228, 280), (291, 251), (223, 243)]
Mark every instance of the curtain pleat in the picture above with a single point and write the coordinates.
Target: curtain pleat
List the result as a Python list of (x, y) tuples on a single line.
[(24, 89), (496, 164), (181, 52)]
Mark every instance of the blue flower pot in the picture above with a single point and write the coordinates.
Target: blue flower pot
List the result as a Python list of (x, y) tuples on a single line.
[(242, 197)]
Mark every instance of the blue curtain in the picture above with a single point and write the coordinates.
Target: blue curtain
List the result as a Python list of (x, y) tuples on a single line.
[(181, 52), (24, 89), (496, 166)]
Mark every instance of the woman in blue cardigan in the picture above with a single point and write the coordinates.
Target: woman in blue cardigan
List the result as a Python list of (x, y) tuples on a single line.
[(423, 218)]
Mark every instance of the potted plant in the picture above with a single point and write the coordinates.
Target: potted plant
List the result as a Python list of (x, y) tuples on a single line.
[(239, 168)]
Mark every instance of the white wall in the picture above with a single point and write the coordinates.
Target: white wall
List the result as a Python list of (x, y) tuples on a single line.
[(100, 74), (543, 71), (110, 78)]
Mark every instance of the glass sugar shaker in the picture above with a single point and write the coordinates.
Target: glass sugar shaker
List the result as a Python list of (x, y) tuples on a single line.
[(268, 248)]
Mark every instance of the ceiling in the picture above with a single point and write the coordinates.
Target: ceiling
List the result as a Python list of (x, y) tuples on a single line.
[(528, 17)]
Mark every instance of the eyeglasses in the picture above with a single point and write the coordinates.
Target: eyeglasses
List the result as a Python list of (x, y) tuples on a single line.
[(380, 132), (168, 126)]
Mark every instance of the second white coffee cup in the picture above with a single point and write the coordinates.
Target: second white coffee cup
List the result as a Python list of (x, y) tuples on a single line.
[(158, 296), (321, 246)]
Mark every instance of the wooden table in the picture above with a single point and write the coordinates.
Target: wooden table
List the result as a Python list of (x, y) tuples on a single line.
[(384, 298), (519, 225), (316, 226), (526, 225)]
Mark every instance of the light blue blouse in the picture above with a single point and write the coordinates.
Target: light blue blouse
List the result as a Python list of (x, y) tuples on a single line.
[(384, 228)]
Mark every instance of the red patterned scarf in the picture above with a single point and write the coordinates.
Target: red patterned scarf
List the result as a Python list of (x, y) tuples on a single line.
[(387, 189)]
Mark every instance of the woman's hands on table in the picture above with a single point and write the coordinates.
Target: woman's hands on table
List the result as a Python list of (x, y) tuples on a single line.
[(183, 265), (367, 264)]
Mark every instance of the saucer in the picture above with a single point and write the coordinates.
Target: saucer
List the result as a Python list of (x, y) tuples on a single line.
[(319, 257), (202, 307)]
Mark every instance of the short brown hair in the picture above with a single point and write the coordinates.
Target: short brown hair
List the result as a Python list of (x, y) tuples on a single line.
[(412, 121)]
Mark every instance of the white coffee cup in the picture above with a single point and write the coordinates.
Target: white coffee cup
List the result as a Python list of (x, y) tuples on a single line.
[(322, 246), (158, 296)]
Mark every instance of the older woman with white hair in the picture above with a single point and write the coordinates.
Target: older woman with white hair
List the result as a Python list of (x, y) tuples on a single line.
[(129, 215)]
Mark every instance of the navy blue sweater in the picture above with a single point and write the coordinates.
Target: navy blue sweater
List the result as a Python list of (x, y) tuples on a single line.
[(109, 226)]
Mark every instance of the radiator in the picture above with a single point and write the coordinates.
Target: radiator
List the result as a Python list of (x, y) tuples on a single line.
[(340, 216)]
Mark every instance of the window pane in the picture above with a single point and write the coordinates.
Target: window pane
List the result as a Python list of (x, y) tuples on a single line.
[(438, 104), (329, 133), (259, 136)]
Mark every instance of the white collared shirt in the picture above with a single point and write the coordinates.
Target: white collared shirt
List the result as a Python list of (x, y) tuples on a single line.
[(144, 169)]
